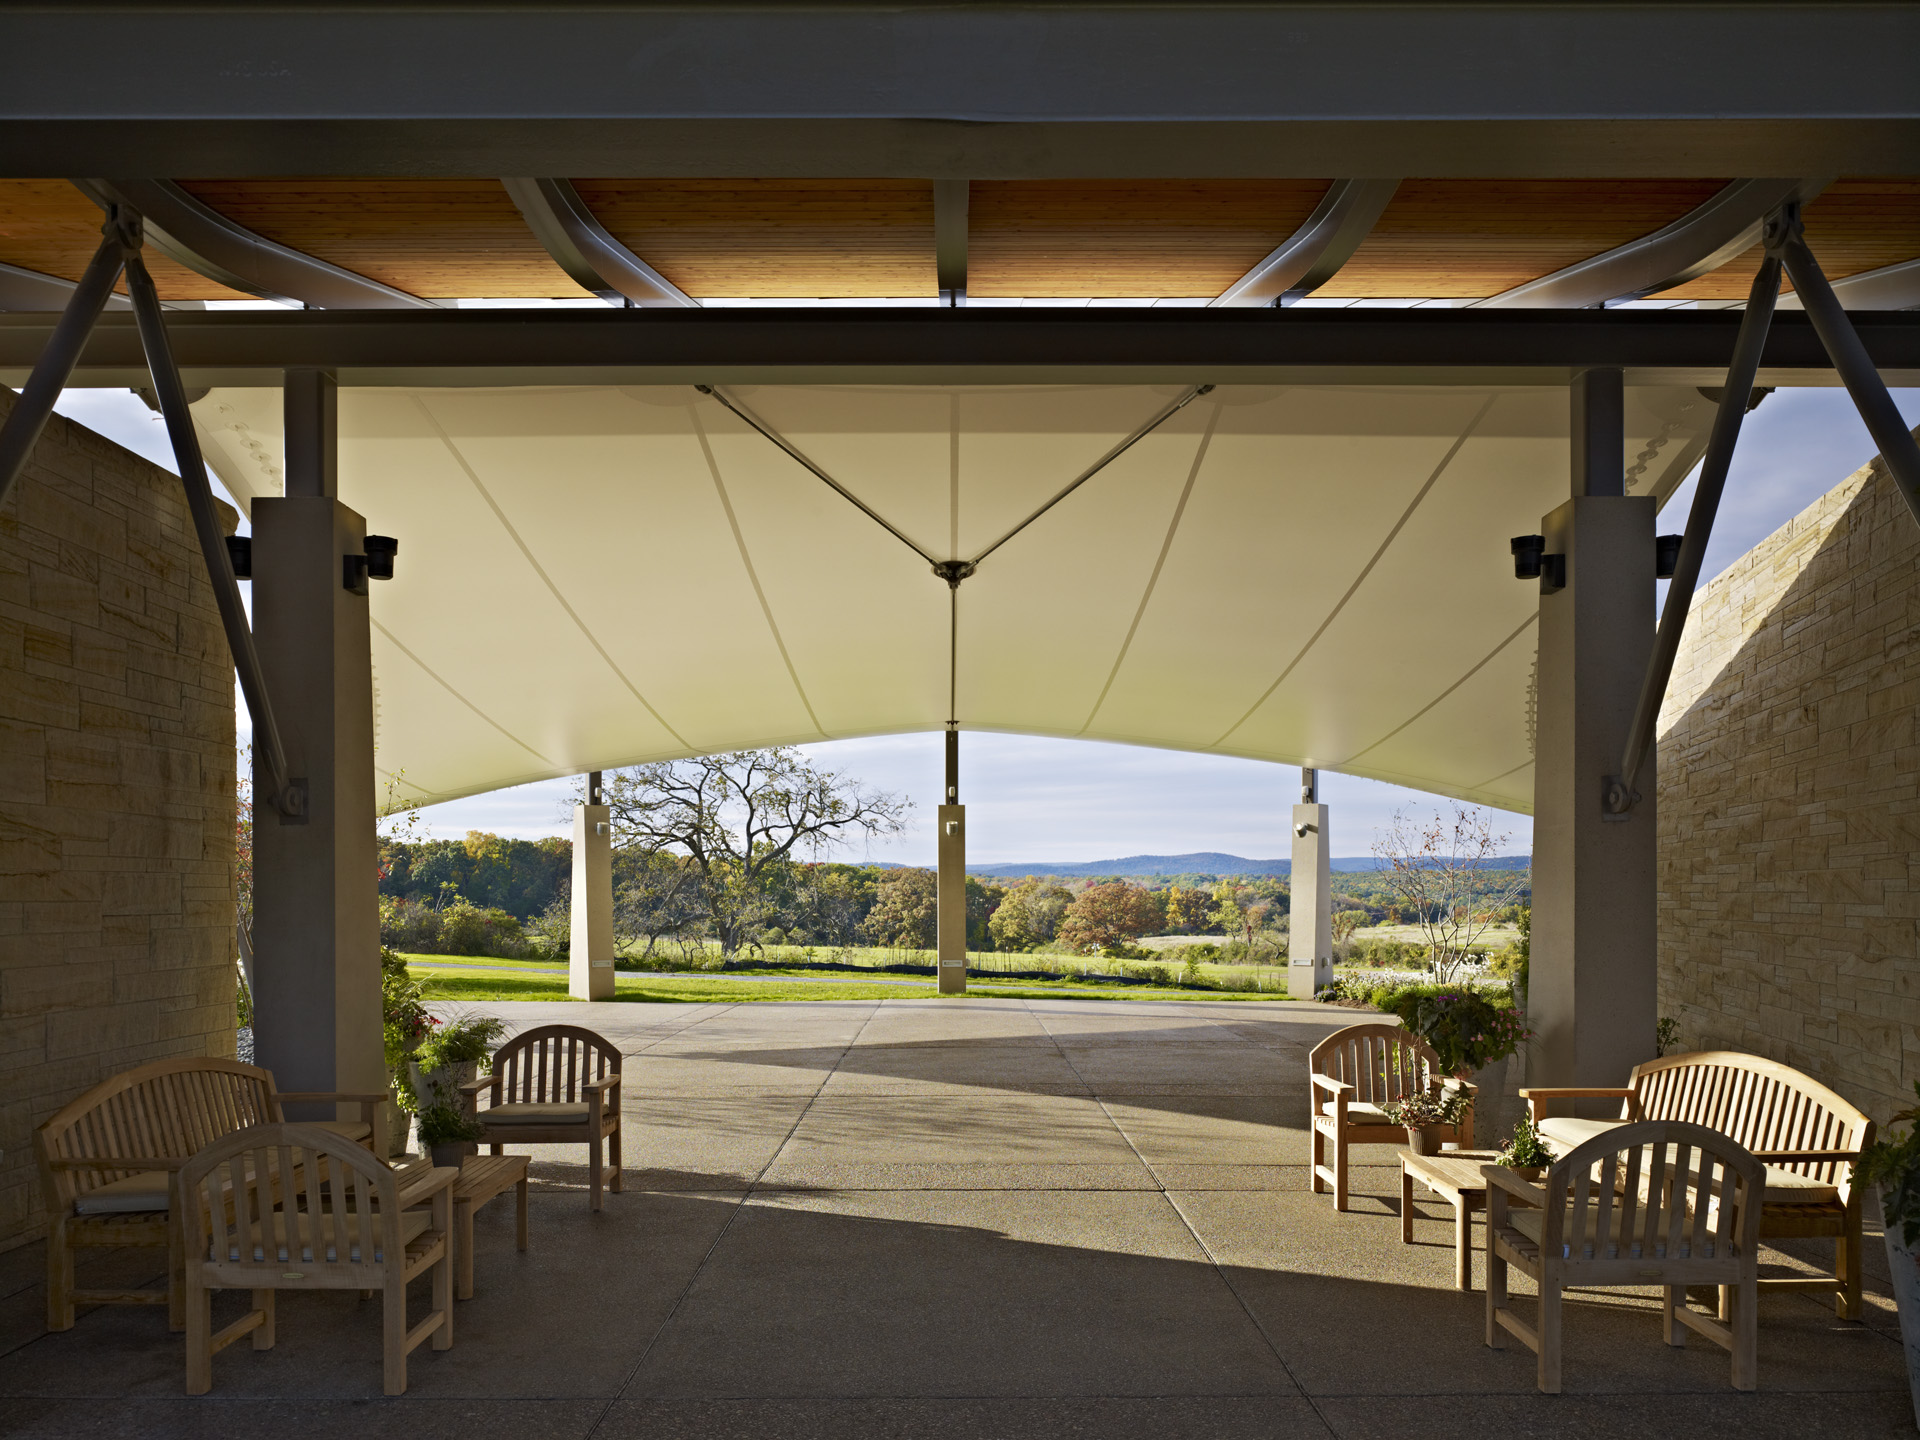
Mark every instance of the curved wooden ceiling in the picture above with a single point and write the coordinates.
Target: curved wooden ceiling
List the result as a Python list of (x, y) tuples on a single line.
[(1042, 239)]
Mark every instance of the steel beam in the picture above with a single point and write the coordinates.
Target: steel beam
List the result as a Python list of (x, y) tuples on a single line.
[(1156, 88), (1891, 287), (582, 246), (1700, 241), (977, 346), (205, 241), (1314, 253), (30, 290), (950, 202)]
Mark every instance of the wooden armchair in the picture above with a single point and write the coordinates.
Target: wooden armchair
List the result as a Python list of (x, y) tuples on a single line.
[(297, 1207), (1657, 1202), (1350, 1075), (109, 1161), (555, 1085)]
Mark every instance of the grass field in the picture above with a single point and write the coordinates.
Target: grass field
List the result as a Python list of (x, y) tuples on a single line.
[(443, 977)]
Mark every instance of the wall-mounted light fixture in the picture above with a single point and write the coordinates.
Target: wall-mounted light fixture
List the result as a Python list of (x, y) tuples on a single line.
[(376, 564), (1666, 555), (240, 552), (1531, 562)]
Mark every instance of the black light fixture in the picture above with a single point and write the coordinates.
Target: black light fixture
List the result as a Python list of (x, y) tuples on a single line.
[(1666, 555), (1528, 551), (380, 552), (376, 564), (240, 552)]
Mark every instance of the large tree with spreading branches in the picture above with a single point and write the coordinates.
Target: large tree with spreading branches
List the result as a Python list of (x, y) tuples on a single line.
[(741, 819)]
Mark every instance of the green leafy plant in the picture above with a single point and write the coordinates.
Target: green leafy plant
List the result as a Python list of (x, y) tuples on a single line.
[(1893, 1164), (1466, 1028), (242, 1003), (1443, 1106), (404, 1023), (447, 1125), (1666, 1035), (1526, 1152), (468, 1040)]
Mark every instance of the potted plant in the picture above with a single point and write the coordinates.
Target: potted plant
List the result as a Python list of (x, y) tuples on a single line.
[(1526, 1155), (451, 1055), (1425, 1115), (1893, 1166), (448, 1134), (405, 1023)]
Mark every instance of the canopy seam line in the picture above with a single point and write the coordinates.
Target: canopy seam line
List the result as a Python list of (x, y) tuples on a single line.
[(1366, 570), (753, 576), (1166, 546), (401, 646), (1485, 661), (1503, 775), (460, 459)]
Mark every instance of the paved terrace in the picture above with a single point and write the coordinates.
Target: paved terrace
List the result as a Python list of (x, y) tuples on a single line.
[(961, 1218)]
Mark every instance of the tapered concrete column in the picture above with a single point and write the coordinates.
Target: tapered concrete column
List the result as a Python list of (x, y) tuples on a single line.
[(1310, 909), (952, 891), (1591, 997), (590, 951), (316, 927)]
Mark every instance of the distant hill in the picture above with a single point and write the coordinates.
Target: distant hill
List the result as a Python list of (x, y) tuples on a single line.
[(1206, 862)]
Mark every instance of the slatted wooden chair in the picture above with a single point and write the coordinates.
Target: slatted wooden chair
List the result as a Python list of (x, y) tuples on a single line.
[(1350, 1075), (298, 1207), (1652, 1203), (1808, 1137), (108, 1162), (555, 1085)]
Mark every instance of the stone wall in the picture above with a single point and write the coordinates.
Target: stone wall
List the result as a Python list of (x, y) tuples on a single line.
[(1790, 802), (116, 790)]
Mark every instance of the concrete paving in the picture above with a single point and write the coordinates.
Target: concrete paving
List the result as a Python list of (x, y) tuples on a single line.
[(949, 1218)]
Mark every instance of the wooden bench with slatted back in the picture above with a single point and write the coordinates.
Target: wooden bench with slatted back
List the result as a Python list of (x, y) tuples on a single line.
[(1350, 1075), (1808, 1137), (555, 1085), (109, 1159)]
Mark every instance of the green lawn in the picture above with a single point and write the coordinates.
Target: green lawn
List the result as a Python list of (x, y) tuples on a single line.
[(546, 981)]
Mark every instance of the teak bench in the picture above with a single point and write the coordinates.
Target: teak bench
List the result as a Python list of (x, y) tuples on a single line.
[(1808, 1137), (110, 1164)]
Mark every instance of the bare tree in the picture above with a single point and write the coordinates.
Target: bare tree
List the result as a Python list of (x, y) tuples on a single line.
[(740, 818), (1443, 876)]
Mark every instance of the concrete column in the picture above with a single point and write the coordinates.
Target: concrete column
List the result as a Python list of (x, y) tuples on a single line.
[(590, 951), (1591, 997), (1310, 909), (952, 924), (316, 928)]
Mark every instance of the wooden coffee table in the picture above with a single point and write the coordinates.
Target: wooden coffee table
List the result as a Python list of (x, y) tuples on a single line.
[(1455, 1175), (481, 1178)]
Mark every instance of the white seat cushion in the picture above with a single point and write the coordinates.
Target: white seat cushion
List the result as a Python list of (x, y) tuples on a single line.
[(1359, 1112), (536, 1113), (1564, 1132), (412, 1223), (1532, 1224), (128, 1196)]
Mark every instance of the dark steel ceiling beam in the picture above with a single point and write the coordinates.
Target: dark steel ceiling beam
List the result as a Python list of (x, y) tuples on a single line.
[(1696, 244), (583, 247), (1314, 253), (976, 346), (950, 203), (208, 243)]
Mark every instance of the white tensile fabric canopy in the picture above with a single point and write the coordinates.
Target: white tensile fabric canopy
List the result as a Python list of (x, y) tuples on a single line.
[(596, 576)]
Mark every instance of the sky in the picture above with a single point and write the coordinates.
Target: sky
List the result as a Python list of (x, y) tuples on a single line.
[(1033, 799)]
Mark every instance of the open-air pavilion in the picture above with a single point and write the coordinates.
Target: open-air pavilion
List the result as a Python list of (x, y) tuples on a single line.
[(1236, 342)]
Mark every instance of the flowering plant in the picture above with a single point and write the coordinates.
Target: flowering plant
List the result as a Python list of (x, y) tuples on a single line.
[(1443, 1106), (1466, 1030)]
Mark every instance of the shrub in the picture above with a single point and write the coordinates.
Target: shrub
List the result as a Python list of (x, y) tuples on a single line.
[(461, 928)]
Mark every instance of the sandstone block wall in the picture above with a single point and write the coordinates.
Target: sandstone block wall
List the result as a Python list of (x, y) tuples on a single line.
[(1790, 802), (116, 790)]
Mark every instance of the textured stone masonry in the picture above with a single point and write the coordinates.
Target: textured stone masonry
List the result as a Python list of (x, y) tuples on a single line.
[(1790, 801), (116, 790)]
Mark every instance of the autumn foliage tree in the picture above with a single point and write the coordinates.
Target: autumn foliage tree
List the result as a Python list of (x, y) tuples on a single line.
[(1110, 914)]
